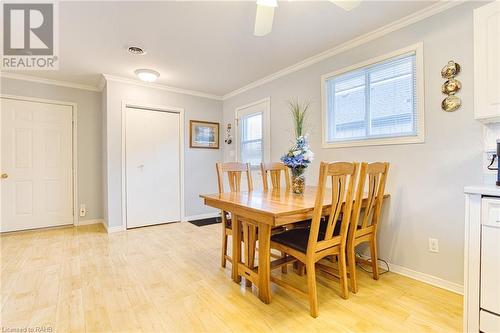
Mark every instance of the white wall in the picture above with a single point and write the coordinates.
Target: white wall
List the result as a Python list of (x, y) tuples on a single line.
[(425, 180), (89, 135), (199, 164)]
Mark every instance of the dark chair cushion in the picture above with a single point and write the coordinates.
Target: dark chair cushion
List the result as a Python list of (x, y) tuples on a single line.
[(295, 238)]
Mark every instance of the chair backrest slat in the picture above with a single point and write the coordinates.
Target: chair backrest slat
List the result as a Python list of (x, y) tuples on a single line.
[(233, 171), (338, 195), (275, 170), (376, 175), (343, 176)]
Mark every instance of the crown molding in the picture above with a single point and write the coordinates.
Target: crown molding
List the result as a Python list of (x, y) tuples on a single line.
[(161, 87), (30, 78), (372, 35), (102, 83)]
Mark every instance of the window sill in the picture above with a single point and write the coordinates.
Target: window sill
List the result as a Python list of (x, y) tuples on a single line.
[(375, 142)]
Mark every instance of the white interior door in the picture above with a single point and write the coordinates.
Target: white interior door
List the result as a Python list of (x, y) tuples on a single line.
[(152, 167), (36, 160)]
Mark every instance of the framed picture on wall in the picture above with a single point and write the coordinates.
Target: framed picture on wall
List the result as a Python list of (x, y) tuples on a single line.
[(203, 134)]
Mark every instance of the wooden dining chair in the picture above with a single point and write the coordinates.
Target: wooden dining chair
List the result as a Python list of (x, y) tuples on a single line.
[(363, 228), (309, 245), (233, 171), (275, 170)]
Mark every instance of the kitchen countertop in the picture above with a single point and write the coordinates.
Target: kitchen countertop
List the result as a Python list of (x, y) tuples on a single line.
[(484, 189)]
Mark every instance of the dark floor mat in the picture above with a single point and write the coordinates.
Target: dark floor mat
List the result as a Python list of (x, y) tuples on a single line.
[(203, 222)]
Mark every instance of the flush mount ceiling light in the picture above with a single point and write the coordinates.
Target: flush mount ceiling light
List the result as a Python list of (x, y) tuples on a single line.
[(136, 50), (147, 75), (265, 13)]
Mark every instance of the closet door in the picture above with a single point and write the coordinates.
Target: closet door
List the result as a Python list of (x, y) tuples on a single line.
[(152, 167)]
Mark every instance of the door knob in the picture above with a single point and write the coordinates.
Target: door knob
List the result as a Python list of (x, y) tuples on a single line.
[(4, 176)]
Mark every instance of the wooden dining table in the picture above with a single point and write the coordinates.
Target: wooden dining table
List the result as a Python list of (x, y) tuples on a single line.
[(265, 210)]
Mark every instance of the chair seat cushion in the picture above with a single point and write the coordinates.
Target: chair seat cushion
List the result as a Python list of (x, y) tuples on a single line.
[(295, 238)]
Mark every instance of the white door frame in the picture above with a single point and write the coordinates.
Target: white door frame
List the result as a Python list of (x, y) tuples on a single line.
[(159, 108), (266, 117), (74, 151)]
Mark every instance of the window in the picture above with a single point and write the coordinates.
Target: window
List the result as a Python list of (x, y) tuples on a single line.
[(253, 132), (251, 138), (374, 103)]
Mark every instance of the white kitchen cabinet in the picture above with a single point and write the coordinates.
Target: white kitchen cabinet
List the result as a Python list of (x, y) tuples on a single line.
[(487, 62)]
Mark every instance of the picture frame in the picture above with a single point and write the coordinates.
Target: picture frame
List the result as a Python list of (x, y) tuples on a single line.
[(204, 134)]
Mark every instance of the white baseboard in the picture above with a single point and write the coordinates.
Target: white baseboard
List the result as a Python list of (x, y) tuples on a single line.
[(88, 222), (201, 216), (422, 277), (426, 278), (110, 230)]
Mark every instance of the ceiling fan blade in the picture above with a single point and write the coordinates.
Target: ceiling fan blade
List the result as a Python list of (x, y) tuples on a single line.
[(347, 4), (263, 19)]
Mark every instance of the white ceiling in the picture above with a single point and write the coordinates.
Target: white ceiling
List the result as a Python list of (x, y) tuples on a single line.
[(205, 46)]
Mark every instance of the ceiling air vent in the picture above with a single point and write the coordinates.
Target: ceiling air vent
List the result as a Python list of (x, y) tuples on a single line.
[(136, 50)]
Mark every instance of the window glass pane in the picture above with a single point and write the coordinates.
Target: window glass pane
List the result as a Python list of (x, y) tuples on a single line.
[(252, 127), (391, 106), (349, 107), (374, 101), (392, 99), (251, 150)]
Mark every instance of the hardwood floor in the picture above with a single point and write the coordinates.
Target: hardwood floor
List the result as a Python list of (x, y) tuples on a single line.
[(168, 278)]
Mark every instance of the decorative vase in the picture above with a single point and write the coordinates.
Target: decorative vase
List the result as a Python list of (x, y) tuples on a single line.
[(298, 180)]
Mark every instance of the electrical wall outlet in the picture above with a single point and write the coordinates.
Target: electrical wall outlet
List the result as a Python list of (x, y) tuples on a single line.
[(83, 210), (433, 245)]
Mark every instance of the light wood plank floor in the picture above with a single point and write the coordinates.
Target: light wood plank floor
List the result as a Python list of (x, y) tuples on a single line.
[(167, 278)]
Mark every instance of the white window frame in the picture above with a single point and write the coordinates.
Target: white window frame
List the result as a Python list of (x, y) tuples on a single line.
[(418, 49), (266, 128)]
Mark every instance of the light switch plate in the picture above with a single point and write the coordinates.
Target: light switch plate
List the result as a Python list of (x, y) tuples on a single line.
[(433, 245)]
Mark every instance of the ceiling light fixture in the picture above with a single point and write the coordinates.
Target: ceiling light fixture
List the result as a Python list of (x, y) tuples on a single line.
[(147, 75)]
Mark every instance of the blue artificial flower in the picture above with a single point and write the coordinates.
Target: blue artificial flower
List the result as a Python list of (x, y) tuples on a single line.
[(299, 156)]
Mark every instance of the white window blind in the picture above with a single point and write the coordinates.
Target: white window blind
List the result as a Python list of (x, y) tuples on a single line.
[(373, 102), (251, 148)]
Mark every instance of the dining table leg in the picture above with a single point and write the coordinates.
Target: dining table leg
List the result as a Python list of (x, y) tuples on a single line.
[(236, 237), (264, 263), (246, 246)]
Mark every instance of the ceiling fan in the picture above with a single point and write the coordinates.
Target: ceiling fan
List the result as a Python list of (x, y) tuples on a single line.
[(265, 13)]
